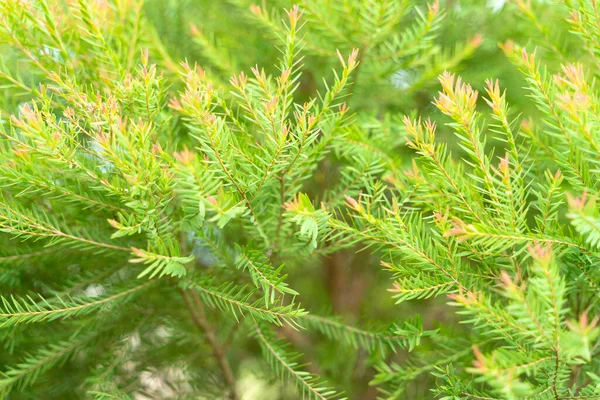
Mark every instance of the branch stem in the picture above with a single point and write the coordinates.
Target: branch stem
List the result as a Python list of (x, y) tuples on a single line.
[(196, 308)]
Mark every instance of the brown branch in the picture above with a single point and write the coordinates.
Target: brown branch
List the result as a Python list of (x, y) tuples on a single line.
[(198, 314)]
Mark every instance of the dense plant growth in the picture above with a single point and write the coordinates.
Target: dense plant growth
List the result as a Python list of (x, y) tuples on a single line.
[(311, 227)]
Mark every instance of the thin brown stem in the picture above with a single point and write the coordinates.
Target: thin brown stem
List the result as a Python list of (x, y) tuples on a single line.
[(198, 314)]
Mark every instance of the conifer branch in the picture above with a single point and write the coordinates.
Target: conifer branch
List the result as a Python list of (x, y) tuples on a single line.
[(26, 372), (407, 336), (27, 310), (196, 309), (20, 222), (238, 302), (284, 364)]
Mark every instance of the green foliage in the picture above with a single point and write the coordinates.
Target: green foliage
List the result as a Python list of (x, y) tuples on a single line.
[(285, 365), (313, 227)]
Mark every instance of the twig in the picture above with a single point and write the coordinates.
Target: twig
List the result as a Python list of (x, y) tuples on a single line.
[(196, 309)]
